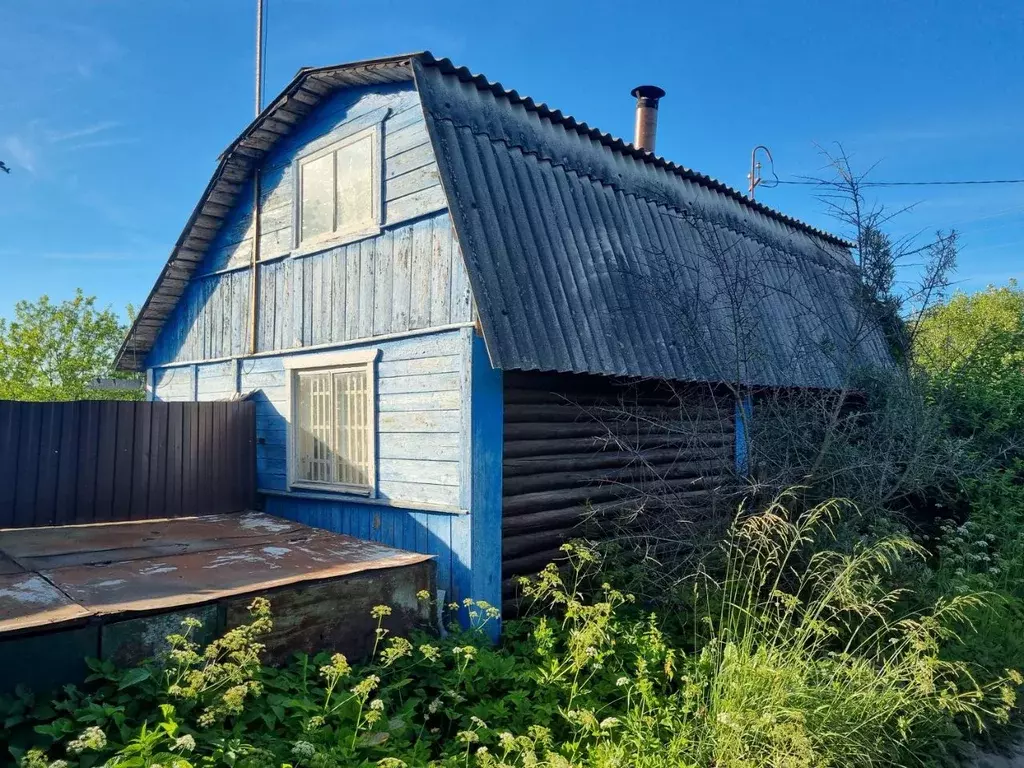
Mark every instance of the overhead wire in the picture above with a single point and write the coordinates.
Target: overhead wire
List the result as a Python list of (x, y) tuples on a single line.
[(813, 183)]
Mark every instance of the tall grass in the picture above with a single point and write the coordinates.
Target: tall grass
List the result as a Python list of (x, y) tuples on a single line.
[(803, 660), (810, 665), (798, 655)]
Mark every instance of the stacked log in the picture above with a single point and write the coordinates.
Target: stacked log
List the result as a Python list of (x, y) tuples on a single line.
[(579, 449)]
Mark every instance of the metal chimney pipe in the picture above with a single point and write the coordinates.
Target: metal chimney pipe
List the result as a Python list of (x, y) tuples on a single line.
[(646, 131)]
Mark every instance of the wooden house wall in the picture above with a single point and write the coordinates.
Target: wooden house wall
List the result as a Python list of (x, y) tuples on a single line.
[(405, 292), (439, 420), (576, 445), (409, 277), (420, 403)]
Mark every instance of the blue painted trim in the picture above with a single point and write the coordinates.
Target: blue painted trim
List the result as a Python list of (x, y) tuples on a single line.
[(744, 414), (476, 537)]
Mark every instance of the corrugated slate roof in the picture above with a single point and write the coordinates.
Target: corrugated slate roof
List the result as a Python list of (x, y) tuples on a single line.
[(588, 255), (585, 253)]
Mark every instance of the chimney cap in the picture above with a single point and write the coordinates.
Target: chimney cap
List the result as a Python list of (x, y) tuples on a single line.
[(647, 92)]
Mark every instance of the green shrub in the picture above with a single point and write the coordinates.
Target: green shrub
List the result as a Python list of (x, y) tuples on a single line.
[(802, 662)]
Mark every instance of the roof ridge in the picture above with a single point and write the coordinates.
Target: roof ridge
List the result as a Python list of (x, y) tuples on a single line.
[(447, 67)]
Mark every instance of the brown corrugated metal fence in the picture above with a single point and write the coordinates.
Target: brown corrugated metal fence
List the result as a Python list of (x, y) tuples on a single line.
[(98, 461)]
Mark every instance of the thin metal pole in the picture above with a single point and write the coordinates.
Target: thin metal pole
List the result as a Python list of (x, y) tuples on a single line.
[(254, 274), (259, 57)]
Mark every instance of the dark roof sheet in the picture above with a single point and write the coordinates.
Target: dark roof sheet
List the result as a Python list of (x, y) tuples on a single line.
[(587, 260)]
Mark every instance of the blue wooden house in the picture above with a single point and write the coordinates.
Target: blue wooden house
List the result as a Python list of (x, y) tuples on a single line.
[(414, 272)]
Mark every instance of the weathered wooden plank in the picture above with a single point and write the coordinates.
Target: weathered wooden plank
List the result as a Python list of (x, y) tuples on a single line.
[(420, 276), (353, 287), (461, 293), (415, 367), (423, 382), (440, 272), (401, 445), (420, 401), (383, 275), (415, 157), (420, 421), (413, 181), (419, 471), (339, 272), (401, 279), (412, 206), (367, 254), (296, 284), (308, 290), (405, 129)]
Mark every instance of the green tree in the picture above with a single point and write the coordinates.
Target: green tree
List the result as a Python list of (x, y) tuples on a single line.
[(973, 349), (52, 351)]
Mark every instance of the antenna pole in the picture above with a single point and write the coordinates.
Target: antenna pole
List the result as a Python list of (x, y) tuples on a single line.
[(254, 274), (259, 56)]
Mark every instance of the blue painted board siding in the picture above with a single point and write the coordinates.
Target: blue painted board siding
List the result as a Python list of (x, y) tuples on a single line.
[(743, 416), (410, 529), (467, 547), (485, 450), (411, 276), (438, 400)]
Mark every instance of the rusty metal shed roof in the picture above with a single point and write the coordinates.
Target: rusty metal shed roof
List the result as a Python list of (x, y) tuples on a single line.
[(67, 574), (585, 253)]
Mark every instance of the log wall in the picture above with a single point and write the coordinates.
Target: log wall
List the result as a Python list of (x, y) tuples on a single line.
[(580, 447)]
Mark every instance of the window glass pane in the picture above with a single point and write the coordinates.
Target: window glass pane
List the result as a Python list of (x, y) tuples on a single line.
[(355, 184), (317, 197), (315, 445)]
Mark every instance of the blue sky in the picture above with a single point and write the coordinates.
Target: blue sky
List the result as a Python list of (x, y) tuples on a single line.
[(113, 112)]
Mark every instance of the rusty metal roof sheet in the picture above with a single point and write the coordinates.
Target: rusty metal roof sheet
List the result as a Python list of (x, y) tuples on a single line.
[(79, 572), (29, 600)]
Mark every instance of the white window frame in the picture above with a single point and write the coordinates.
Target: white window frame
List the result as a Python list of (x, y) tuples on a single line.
[(347, 360), (357, 232)]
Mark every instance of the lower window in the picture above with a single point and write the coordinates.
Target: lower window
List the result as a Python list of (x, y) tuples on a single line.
[(332, 438)]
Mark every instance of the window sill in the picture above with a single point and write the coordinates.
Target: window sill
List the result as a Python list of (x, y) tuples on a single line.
[(347, 238), (332, 490), (303, 493)]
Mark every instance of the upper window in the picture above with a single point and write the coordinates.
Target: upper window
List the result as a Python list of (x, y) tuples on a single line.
[(338, 190), (332, 430)]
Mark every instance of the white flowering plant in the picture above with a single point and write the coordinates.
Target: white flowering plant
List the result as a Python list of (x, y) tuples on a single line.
[(795, 655)]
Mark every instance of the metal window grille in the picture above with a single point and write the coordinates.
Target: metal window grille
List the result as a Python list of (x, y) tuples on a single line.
[(333, 426)]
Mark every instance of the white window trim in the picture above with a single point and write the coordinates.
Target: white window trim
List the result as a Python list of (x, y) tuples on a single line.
[(351, 359), (302, 247)]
